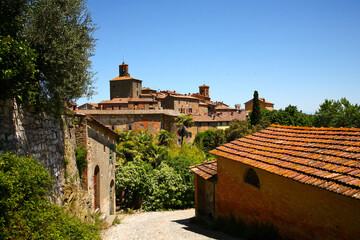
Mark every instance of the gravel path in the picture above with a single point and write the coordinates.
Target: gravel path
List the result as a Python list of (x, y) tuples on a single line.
[(160, 225)]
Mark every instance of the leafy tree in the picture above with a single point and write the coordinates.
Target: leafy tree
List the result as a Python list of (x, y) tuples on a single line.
[(45, 51), (131, 182), (61, 32), (182, 123), (255, 115), (25, 210), (165, 138), (164, 189), (209, 139), (340, 113), (291, 116), (237, 129)]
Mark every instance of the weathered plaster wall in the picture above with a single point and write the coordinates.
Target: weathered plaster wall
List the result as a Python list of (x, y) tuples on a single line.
[(99, 144), (26, 132), (299, 211)]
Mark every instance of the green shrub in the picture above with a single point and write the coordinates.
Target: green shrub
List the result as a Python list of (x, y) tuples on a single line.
[(81, 162), (25, 210)]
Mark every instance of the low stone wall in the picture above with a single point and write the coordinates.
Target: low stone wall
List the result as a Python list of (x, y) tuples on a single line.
[(26, 132)]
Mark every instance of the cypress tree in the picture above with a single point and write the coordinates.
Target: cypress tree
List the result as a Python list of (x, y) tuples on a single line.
[(255, 114)]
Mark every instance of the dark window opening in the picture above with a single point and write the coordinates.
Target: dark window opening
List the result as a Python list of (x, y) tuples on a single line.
[(252, 178)]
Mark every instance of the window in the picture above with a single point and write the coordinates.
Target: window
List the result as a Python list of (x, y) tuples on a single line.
[(104, 148), (112, 127), (190, 110), (129, 127), (141, 125), (111, 156), (208, 124), (252, 178)]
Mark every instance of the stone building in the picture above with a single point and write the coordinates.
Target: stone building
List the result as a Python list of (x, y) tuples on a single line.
[(126, 120), (304, 181), (263, 105), (125, 86), (99, 173), (161, 107), (182, 103)]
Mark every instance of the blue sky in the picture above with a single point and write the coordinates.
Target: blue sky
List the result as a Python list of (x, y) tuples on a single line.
[(291, 52)]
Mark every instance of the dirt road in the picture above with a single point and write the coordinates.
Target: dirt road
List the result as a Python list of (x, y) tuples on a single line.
[(170, 225)]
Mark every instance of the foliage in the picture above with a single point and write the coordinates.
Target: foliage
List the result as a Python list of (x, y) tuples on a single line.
[(140, 145), (131, 181), (237, 129), (165, 138), (81, 162), (291, 116), (159, 175), (25, 210), (164, 190), (45, 50), (17, 70), (255, 115), (182, 123), (340, 113), (209, 139)]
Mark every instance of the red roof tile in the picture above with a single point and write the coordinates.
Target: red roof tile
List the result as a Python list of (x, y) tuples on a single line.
[(328, 158), (205, 170)]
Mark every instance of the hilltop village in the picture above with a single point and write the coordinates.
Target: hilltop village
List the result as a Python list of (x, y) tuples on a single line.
[(132, 107)]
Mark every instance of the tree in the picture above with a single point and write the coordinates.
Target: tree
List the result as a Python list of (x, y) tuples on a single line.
[(209, 139), (165, 138), (291, 116), (45, 51), (182, 123), (340, 113), (237, 129), (61, 32), (17, 58), (255, 116)]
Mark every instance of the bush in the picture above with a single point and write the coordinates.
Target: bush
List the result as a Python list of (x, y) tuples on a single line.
[(158, 175), (25, 210), (209, 139)]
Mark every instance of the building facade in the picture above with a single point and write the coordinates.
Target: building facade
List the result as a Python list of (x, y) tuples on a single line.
[(125, 86), (304, 181), (99, 173)]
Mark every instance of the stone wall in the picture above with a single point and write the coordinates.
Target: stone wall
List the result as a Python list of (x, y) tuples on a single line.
[(27, 132)]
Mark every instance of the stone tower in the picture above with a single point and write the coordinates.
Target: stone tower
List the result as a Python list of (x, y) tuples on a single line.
[(204, 91), (125, 86)]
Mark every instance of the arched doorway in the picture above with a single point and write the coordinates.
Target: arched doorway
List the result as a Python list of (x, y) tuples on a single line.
[(97, 187), (111, 198)]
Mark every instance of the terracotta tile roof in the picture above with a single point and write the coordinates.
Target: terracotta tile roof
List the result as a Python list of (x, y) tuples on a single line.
[(125, 78), (203, 85), (263, 100), (205, 170), (142, 100), (148, 89), (328, 158), (116, 100), (183, 96), (97, 122), (260, 99), (224, 107), (223, 117)]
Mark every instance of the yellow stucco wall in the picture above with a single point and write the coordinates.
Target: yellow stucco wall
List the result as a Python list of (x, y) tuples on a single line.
[(299, 211)]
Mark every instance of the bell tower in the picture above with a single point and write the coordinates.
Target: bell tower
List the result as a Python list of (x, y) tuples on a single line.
[(204, 91), (124, 70)]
